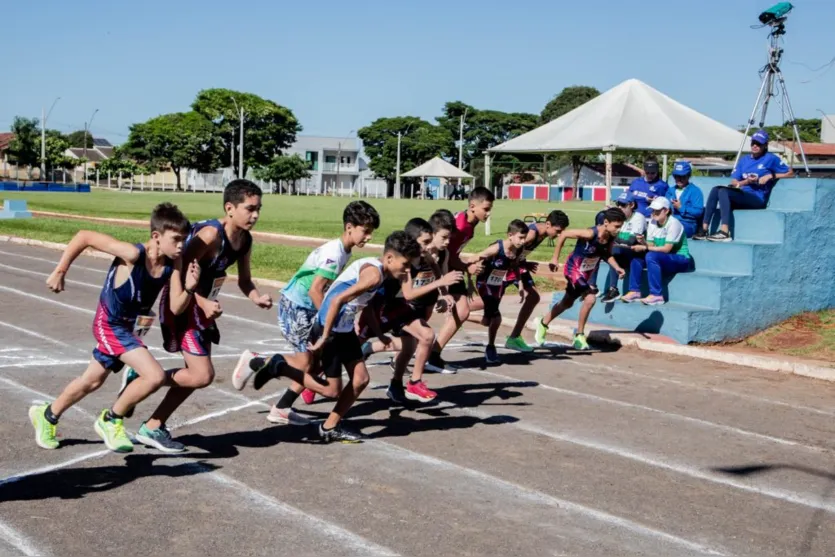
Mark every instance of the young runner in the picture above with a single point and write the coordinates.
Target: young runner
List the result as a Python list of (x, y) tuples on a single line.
[(404, 307), (480, 204), (592, 244), (302, 298), (335, 339), (522, 278), (123, 316), (499, 260), (216, 245), (633, 228)]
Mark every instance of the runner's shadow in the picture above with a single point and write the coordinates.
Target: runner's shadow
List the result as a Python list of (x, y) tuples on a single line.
[(76, 483), (225, 445), (477, 361)]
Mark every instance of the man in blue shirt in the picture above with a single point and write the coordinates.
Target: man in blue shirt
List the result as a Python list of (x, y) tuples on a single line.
[(750, 187), (686, 199), (648, 187)]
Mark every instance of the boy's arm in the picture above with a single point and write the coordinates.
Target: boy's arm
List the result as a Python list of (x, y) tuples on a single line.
[(491, 251), (317, 290), (247, 286), (369, 279), (411, 293), (577, 234), (88, 239), (614, 265), (179, 296)]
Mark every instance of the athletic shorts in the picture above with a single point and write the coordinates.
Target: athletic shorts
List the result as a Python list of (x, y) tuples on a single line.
[(523, 279), (296, 323), (491, 296), (392, 316), (579, 289), (197, 342), (458, 289), (339, 350), (113, 341)]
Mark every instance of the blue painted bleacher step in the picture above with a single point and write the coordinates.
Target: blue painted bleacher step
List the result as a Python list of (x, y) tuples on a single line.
[(779, 264), (15, 209)]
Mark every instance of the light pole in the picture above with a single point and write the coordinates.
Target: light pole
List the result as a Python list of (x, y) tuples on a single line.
[(44, 117), (240, 143), (397, 171), (339, 161), (87, 126), (461, 140)]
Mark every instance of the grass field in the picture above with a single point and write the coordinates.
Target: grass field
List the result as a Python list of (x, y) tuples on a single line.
[(319, 217), (808, 335)]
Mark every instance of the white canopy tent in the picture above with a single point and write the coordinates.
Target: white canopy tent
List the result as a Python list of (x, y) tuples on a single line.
[(629, 117), (436, 168)]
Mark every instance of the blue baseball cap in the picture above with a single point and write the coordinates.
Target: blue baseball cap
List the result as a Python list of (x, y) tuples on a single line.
[(760, 137), (682, 168), (625, 197)]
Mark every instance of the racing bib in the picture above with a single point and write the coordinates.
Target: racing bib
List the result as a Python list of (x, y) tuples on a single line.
[(589, 264), (496, 277), (216, 286), (143, 324), (424, 278)]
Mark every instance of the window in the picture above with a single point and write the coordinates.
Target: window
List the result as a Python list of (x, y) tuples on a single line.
[(346, 160), (330, 158), (312, 158)]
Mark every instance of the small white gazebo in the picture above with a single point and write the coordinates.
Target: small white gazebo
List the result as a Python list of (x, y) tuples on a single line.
[(436, 168)]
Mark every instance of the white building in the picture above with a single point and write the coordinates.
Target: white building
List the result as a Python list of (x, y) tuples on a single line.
[(334, 164)]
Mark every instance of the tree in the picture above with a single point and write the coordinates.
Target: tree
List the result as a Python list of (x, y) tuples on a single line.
[(179, 140), (79, 137), (567, 100), (420, 142), (25, 148), (119, 163), (809, 129), (285, 168), (268, 126)]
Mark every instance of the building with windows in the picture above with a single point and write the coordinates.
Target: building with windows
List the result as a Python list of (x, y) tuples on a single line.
[(333, 161)]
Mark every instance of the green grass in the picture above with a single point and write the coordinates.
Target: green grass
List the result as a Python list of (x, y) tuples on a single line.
[(319, 217), (808, 335)]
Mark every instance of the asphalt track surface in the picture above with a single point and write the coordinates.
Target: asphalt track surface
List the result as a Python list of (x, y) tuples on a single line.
[(560, 453)]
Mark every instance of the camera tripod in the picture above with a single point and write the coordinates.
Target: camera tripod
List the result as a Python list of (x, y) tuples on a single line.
[(772, 77)]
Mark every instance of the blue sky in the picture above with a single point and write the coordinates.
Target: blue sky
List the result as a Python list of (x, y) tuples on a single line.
[(340, 65)]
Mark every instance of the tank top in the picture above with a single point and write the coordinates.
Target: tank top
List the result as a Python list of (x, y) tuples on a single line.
[(497, 267), (349, 277), (585, 258), (213, 273), (422, 275)]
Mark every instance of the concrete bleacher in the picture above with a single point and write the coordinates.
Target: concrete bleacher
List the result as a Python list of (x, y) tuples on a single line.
[(15, 209), (779, 264)]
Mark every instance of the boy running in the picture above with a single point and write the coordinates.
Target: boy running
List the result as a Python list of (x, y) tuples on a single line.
[(480, 204), (302, 298), (405, 306), (522, 277), (592, 244), (499, 260), (123, 316), (215, 245), (632, 230), (335, 341)]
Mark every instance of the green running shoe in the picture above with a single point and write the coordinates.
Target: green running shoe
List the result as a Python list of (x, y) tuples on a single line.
[(113, 434), (44, 431), (128, 377), (159, 439), (580, 342), (518, 344), (541, 331)]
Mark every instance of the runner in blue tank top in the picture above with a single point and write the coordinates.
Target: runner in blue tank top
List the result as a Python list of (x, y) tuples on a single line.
[(123, 316)]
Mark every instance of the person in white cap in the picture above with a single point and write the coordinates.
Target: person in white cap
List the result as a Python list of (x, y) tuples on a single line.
[(666, 254)]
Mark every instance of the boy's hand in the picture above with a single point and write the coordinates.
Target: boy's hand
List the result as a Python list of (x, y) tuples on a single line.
[(264, 301), (211, 308), (475, 268), (316, 347), (639, 248), (55, 281), (554, 266), (386, 340), (452, 277), (532, 266), (192, 276), (621, 273)]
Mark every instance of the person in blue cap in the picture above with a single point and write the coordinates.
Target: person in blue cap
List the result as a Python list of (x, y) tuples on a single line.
[(750, 187), (630, 232), (648, 187), (686, 199)]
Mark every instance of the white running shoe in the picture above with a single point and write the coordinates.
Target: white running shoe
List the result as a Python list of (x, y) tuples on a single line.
[(286, 416), (242, 372)]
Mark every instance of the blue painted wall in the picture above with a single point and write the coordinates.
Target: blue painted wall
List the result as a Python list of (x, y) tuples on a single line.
[(781, 263)]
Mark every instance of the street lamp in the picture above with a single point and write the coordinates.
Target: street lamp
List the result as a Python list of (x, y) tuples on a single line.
[(240, 143), (87, 126), (461, 140), (339, 159), (397, 171), (44, 117)]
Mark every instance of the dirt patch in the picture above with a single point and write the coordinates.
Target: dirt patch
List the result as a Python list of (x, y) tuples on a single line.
[(784, 340)]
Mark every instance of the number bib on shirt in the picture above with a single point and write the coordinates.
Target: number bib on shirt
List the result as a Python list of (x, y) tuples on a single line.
[(216, 286), (143, 324), (424, 278), (496, 277), (588, 264)]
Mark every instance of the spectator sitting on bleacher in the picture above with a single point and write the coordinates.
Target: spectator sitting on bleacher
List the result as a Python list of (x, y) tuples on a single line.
[(648, 187), (666, 254), (750, 187), (635, 225), (686, 198)]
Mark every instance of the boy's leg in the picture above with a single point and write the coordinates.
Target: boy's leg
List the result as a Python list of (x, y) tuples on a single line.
[(492, 319), (332, 429), (397, 391), (532, 298), (151, 378), (566, 302), (458, 314), (421, 338), (44, 417), (589, 300)]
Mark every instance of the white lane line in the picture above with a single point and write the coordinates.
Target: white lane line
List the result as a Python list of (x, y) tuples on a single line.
[(18, 540), (720, 390), (537, 496), (52, 467), (42, 396), (37, 335), (53, 262), (671, 415), (329, 529), (43, 363)]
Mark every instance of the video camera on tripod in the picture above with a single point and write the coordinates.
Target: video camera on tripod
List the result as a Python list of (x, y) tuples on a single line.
[(776, 13)]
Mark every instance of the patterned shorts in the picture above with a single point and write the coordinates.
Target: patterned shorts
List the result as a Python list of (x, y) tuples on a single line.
[(296, 323)]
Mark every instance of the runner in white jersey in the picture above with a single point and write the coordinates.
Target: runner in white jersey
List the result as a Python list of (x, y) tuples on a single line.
[(335, 340)]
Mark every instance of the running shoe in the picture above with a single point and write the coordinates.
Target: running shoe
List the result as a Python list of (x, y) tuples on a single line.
[(541, 331), (720, 236), (44, 430), (419, 392), (518, 344), (630, 297), (491, 355), (437, 364), (308, 396), (286, 416), (397, 393), (653, 300), (266, 369), (580, 342), (113, 433), (341, 434), (701, 234), (243, 371), (159, 438), (612, 294)]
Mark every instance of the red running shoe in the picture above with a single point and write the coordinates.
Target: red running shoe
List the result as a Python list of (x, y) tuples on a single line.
[(420, 392), (308, 396)]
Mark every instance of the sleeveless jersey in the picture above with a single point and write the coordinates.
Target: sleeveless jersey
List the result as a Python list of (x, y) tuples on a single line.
[(492, 278), (422, 274), (348, 312), (585, 258)]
